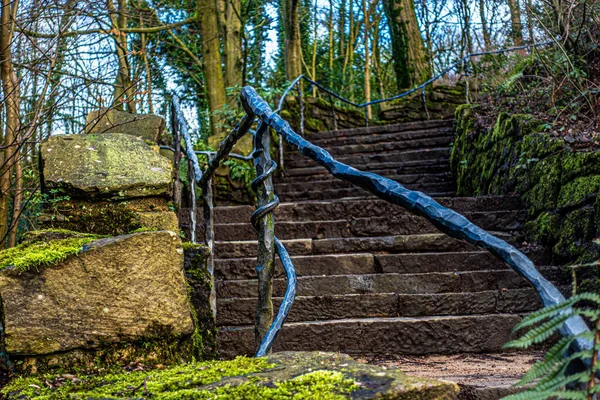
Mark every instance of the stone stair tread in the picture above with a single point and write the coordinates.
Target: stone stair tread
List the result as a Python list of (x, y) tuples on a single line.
[(355, 192), (413, 135), (407, 126), (398, 335), (415, 157), (364, 264), (415, 283), (240, 311)]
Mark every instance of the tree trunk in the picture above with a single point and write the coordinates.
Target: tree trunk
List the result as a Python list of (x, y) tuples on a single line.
[(211, 61), (367, 82), (515, 21), (484, 28), (233, 44), (293, 41), (11, 90), (410, 59), (124, 88)]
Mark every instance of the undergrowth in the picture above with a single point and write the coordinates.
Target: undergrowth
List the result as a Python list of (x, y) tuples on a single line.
[(562, 373), (185, 382)]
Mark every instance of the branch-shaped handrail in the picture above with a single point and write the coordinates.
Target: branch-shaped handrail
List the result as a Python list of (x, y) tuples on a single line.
[(428, 82), (445, 219)]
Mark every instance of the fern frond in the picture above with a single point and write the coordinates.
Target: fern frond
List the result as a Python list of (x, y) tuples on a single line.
[(591, 314), (545, 313), (540, 333), (561, 380)]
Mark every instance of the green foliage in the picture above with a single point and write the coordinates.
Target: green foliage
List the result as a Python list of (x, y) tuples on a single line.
[(184, 382), (33, 255), (549, 378)]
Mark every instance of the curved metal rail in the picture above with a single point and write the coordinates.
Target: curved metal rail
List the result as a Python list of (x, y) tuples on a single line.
[(445, 219)]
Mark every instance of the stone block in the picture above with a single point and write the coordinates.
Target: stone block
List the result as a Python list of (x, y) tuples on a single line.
[(108, 166), (145, 126), (117, 290)]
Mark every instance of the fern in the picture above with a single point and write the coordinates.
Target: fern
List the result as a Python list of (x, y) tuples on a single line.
[(550, 378)]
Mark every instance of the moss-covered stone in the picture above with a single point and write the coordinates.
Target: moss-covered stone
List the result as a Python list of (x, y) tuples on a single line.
[(288, 375), (106, 217), (107, 166), (149, 127), (557, 185), (160, 221), (117, 290)]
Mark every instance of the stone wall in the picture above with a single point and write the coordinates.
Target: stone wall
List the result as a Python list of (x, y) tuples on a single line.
[(558, 184), (441, 102), (107, 281)]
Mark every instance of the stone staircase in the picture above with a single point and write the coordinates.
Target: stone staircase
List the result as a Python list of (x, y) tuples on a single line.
[(372, 278)]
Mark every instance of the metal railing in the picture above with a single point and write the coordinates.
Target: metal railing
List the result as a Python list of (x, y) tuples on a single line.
[(462, 62), (445, 219)]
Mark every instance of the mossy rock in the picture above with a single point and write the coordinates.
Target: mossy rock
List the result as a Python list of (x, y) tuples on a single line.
[(107, 166), (109, 292), (578, 190), (111, 218), (301, 375), (145, 126)]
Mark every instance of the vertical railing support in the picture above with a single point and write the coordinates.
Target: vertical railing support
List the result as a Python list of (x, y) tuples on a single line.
[(335, 127), (193, 205), (424, 99), (209, 238), (265, 226), (466, 66), (301, 105), (175, 131), (366, 117)]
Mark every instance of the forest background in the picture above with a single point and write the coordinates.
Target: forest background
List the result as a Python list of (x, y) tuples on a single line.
[(61, 59)]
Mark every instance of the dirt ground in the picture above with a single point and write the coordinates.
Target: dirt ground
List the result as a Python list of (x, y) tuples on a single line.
[(473, 370)]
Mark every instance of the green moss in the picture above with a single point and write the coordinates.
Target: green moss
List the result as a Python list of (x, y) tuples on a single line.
[(545, 228), (36, 254), (192, 246), (579, 189), (172, 382), (144, 229)]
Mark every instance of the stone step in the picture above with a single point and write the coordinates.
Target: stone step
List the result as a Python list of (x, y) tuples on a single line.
[(384, 169), (424, 181), (426, 243), (364, 264), (443, 140), (367, 131), (298, 163), (426, 283), (337, 209), (361, 227), (365, 336), (235, 312), (389, 136), (432, 190)]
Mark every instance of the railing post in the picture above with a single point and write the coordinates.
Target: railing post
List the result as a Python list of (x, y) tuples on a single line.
[(209, 238), (335, 127), (176, 157), (301, 105), (424, 98), (193, 206), (366, 117), (467, 81), (265, 226)]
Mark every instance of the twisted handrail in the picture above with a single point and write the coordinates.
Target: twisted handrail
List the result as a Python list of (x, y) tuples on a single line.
[(445, 219)]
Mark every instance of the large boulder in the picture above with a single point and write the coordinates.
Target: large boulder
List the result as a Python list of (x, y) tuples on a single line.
[(146, 126), (117, 290), (108, 166)]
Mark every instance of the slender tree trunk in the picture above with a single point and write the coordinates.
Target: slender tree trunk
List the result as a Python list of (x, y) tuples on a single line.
[(367, 82), (12, 123), (410, 59), (147, 69), (515, 21), (293, 40), (484, 28), (17, 197), (233, 44), (314, 50), (468, 40), (211, 62), (124, 88), (342, 28), (331, 47)]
